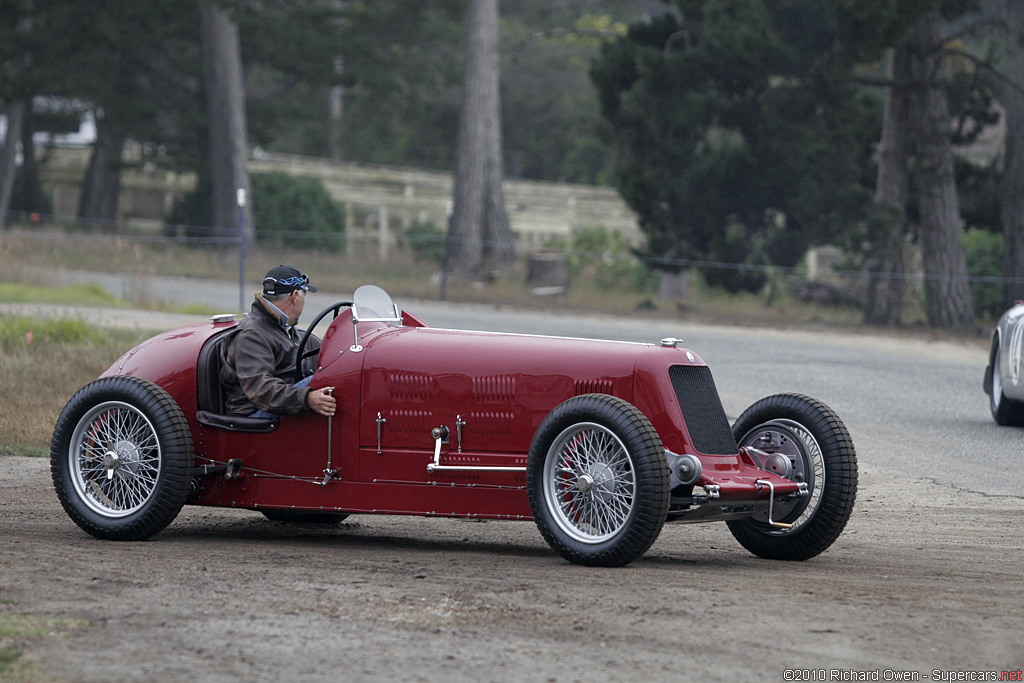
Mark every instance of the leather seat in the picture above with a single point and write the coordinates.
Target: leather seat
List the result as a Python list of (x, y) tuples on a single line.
[(210, 394)]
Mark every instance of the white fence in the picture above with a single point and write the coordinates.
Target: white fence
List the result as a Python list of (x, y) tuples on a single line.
[(382, 201)]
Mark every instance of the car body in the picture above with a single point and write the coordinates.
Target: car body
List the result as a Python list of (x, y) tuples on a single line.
[(599, 442), (1003, 382)]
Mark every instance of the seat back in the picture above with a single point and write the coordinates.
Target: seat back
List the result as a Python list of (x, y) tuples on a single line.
[(210, 391)]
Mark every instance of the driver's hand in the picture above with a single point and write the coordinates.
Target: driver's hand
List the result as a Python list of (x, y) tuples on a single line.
[(322, 401)]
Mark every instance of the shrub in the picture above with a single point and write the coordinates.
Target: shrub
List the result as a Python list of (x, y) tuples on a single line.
[(285, 208), (426, 240), (190, 212), (299, 210), (984, 253), (603, 257)]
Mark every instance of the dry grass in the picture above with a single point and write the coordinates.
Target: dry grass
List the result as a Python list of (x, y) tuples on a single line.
[(37, 379), (401, 275)]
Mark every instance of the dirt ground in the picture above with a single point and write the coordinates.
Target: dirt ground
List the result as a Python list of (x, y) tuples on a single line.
[(925, 580)]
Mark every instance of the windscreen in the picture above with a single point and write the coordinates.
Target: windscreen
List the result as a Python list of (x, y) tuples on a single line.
[(372, 302)]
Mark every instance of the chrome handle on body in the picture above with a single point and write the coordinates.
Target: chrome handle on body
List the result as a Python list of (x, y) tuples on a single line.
[(330, 472), (380, 425), (459, 424)]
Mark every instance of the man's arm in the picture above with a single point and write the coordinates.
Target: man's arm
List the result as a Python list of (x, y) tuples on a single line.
[(255, 368)]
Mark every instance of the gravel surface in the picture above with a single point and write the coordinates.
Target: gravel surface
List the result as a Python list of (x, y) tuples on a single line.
[(925, 581)]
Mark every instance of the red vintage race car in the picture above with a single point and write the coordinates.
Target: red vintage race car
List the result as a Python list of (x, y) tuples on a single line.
[(599, 443)]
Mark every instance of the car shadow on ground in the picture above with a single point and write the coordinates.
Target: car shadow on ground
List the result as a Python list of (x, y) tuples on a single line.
[(446, 535)]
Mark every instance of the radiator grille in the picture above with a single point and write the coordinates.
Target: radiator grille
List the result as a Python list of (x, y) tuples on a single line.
[(702, 409)]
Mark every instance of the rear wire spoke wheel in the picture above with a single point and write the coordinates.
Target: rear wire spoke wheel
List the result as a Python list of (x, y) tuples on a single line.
[(821, 452), (121, 458), (598, 481)]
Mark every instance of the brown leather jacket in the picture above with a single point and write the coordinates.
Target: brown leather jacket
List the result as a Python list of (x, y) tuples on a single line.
[(258, 364)]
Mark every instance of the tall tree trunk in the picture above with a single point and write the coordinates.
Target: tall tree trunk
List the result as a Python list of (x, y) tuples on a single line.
[(8, 157), (947, 293), (1012, 191), (884, 297), (102, 186), (480, 238), (228, 134), (32, 196)]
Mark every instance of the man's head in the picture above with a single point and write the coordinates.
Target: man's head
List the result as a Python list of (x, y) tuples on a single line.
[(286, 287)]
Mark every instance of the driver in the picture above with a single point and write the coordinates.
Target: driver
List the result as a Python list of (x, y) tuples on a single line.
[(258, 361)]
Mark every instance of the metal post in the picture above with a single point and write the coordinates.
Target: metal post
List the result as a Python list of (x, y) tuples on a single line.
[(449, 210), (337, 111), (241, 248)]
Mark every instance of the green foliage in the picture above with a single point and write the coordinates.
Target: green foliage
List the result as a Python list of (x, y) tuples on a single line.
[(284, 207), (8, 659), (732, 113), (192, 214), (604, 258), (978, 190), (21, 202), (984, 253), (298, 211), (426, 240)]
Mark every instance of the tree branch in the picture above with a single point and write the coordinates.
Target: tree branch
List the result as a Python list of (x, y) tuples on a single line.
[(538, 36), (971, 27), (985, 65)]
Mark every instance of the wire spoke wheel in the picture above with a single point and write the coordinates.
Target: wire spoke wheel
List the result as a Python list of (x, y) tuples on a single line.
[(598, 481), (121, 458), (590, 482), (116, 459), (794, 441), (822, 455)]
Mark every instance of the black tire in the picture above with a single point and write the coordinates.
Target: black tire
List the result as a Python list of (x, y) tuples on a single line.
[(817, 440), (305, 516), (121, 458), (598, 481), (1005, 411)]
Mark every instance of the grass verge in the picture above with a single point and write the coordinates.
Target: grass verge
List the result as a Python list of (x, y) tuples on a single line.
[(405, 277), (43, 363), (16, 628)]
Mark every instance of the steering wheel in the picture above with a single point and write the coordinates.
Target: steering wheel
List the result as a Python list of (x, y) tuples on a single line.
[(300, 353)]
